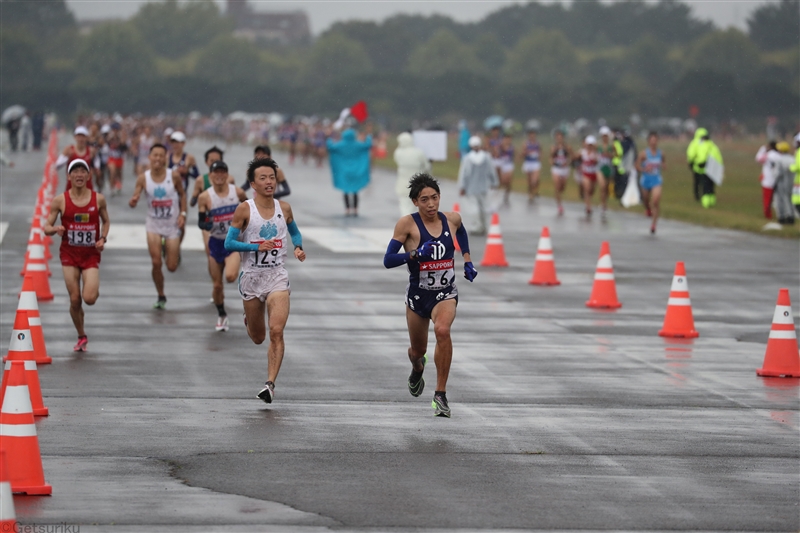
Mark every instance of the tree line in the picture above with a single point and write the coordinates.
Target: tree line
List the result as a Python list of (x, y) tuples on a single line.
[(548, 61)]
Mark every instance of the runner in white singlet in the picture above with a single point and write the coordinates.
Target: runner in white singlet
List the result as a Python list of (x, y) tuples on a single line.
[(166, 215), (216, 206), (263, 229)]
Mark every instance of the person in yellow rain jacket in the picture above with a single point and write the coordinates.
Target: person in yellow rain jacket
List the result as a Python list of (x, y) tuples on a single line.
[(796, 169), (691, 155), (707, 168)]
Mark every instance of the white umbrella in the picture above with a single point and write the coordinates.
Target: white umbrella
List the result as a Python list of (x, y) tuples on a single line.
[(12, 113)]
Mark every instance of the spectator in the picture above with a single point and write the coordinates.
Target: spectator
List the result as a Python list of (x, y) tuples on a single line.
[(410, 161), (350, 166), (784, 179), (769, 157), (476, 176)]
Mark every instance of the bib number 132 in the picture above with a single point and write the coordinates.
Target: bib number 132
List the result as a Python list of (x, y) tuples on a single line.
[(266, 258)]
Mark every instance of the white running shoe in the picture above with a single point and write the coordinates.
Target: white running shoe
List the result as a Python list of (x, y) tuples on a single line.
[(222, 323)]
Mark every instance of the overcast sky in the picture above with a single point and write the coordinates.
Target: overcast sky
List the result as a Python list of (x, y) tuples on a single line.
[(323, 13)]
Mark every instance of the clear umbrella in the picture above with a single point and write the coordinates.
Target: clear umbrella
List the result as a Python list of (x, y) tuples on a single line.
[(12, 113)]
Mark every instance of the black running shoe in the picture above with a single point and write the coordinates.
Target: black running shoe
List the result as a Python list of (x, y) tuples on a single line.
[(268, 392), (415, 382), (439, 404)]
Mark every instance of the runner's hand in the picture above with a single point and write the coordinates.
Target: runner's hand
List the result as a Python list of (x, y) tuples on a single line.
[(60, 230), (181, 221), (266, 246), (469, 271), (299, 254), (426, 250), (133, 201), (100, 246)]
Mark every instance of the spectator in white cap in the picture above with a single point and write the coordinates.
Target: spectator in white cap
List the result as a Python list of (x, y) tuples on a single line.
[(588, 165), (476, 176), (410, 161), (79, 150), (184, 164)]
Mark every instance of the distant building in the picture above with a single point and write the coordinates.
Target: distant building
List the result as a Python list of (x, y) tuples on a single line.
[(286, 28)]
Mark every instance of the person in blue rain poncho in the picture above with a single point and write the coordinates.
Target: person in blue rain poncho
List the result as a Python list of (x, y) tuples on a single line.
[(350, 166)]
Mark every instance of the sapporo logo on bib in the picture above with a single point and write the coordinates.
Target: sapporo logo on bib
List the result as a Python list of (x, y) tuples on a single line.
[(82, 234)]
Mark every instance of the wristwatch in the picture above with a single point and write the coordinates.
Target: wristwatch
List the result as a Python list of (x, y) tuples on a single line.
[(296, 247), (412, 255), (183, 214)]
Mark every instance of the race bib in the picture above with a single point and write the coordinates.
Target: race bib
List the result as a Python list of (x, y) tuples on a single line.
[(436, 275), (86, 237), (268, 258), (162, 209)]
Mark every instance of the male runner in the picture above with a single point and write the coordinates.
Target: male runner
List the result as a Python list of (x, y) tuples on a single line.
[(82, 239), (263, 151), (117, 146), (532, 164), (183, 164), (560, 159), (263, 224), (650, 164), (212, 154), (166, 215), (588, 158), (506, 169), (216, 206), (431, 294), (79, 150)]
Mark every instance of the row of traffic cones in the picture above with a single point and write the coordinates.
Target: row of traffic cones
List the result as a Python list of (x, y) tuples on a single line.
[(21, 399), (782, 356)]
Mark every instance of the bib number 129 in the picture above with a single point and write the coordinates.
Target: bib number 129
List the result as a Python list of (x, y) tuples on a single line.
[(266, 258)]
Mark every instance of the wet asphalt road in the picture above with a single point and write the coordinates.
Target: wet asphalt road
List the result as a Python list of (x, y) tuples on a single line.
[(564, 418)]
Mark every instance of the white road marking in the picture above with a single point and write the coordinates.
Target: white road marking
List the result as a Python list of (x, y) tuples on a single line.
[(134, 237), (3, 229), (349, 240)]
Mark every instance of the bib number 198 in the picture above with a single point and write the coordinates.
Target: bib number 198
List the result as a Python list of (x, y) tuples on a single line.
[(81, 238)]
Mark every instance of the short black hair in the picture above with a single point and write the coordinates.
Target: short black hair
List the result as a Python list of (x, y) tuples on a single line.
[(263, 148), (419, 181), (158, 145), (652, 133), (212, 150), (255, 164)]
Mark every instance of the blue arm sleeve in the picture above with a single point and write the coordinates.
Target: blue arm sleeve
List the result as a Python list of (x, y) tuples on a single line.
[(193, 172), (392, 258), (233, 244), (297, 239), (282, 190), (463, 240)]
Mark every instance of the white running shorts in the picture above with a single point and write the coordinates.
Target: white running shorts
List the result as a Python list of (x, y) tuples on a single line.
[(261, 284)]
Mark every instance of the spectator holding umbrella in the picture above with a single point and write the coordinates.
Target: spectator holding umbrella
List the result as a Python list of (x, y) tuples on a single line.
[(350, 166)]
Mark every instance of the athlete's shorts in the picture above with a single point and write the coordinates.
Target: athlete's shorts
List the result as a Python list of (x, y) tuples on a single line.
[(506, 168), (216, 249), (166, 228), (422, 301), (590, 177), (115, 161), (606, 170), (83, 260), (260, 285), (497, 163), (648, 183), (559, 172), (531, 166)]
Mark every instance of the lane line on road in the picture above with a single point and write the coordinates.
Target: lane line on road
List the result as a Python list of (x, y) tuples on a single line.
[(3, 229), (350, 240), (134, 237)]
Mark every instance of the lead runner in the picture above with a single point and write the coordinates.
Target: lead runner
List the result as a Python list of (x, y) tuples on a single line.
[(431, 294)]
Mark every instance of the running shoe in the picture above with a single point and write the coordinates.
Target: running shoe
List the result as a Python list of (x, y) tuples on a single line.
[(648, 213), (222, 323), (653, 229), (415, 382), (161, 303), (83, 344), (561, 210), (439, 404), (268, 392)]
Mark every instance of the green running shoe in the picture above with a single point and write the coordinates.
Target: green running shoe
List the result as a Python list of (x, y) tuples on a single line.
[(415, 382), (439, 404), (161, 303)]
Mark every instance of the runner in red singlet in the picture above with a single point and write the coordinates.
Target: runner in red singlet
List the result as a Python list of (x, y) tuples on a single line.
[(79, 150), (82, 239)]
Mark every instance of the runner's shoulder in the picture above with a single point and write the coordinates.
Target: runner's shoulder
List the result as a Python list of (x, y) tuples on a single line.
[(454, 218)]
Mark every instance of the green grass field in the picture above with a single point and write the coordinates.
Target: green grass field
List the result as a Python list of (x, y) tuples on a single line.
[(738, 199)]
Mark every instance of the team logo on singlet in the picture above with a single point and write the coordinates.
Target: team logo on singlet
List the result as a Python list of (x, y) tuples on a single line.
[(438, 251), (268, 231), (160, 192), (81, 218)]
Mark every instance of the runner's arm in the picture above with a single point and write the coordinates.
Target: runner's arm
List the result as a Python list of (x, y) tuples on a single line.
[(393, 258), (241, 194), (232, 242), (282, 189), (137, 191), (198, 189), (105, 224), (463, 242), (56, 207), (63, 157), (182, 202), (294, 232), (204, 222)]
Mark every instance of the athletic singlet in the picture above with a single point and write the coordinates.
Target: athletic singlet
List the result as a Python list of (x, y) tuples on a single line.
[(145, 143), (259, 230), (652, 164), (507, 155), (605, 155), (115, 148), (206, 182), (588, 164), (222, 209), (436, 273), (163, 201), (82, 226), (532, 152), (494, 147), (560, 157)]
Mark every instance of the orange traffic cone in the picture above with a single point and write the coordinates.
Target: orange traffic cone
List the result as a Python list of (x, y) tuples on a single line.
[(34, 387), (19, 436), (604, 291), (37, 267), (782, 358), (495, 254), (8, 518), (36, 248), (544, 269), (28, 302), (36, 227), (21, 346), (456, 209), (679, 322)]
